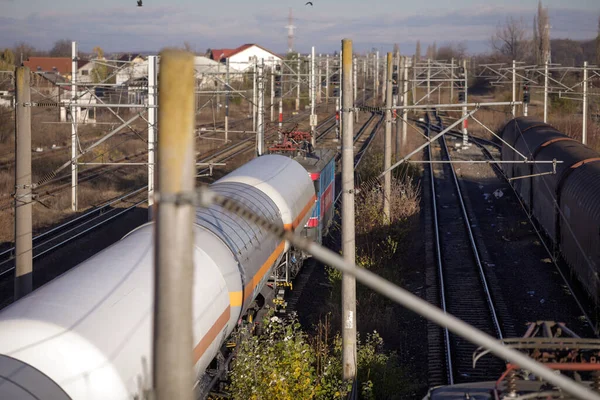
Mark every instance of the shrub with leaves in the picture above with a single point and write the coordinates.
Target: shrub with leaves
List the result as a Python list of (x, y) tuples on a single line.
[(281, 364)]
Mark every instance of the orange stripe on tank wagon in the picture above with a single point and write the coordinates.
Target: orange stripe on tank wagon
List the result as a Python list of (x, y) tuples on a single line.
[(211, 335), (236, 299), (302, 214)]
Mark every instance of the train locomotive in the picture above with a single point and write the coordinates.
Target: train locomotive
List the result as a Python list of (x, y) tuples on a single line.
[(88, 333), (563, 197)]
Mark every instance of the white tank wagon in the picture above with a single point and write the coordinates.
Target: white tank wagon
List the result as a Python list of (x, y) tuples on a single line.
[(88, 333)]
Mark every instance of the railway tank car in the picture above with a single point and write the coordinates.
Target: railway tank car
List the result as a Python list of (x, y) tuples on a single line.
[(88, 333), (565, 203)]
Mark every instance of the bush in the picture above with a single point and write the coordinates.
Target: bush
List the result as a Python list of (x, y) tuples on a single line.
[(285, 363)]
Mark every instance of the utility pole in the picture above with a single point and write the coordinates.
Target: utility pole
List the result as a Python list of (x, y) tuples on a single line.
[(397, 99), (272, 106), (546, 91), (298, 88), (327, 82), (428, 80), (260, 134), (405, 100), (585, 103), (355, 84), (152, 80), (23, 198), (313, 98), (319, 79), (365, 79), (514, 88), (414, 85), (348, 234), (464, 109), (451, 80), (173, 259), (384, 83), (227, 100), (254, 94), (74, 120), (376, 75), (387, 155)]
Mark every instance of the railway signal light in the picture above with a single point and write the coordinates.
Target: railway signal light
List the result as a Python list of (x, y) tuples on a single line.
[(461, 96), (336, 92), (277, 92), (335, 78), (526, 95), (394, 90)]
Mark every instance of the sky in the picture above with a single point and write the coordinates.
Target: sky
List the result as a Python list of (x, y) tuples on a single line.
[(121, 26)]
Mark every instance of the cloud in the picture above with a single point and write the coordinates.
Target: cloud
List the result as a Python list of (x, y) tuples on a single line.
[(152, 28)]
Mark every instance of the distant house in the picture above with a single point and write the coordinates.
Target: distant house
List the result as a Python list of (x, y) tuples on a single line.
[(59, 65), (242, 57), (131, 67)]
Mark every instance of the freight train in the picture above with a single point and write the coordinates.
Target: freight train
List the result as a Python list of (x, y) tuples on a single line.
[(563, 197), (88, 333)]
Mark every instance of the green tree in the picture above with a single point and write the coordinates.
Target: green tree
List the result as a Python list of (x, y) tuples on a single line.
[(100, 72)]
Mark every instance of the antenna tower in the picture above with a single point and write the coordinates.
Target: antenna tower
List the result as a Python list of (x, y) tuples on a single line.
[(291, 28)]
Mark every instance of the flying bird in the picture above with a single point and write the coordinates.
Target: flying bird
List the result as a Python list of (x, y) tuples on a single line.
[(309, 2), (139, 3)]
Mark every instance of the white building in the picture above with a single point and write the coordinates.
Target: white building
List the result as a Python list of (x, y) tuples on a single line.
[(131, 67), (242, 58)]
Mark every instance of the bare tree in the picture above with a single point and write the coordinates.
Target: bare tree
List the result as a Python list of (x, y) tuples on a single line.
[(510, 39), (434, 51), (418, 51), (453, 50), (396, 48), (61, 48), (536, 42), (23, 51)]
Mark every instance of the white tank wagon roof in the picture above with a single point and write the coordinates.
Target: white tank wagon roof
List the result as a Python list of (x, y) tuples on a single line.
[(90, 330), (285, 181)]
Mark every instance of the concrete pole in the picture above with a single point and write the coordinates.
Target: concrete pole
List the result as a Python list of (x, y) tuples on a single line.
[(377, 75), (152, 81), (414, 84), (174, 236), (355, 77), (405, 101), (319, 80), (355, 84), (280, 118), (384, 84), (398, 100), (272, 106), (387, 146), (23, 204), (585, 103), (365, 79), (298, 88), (260, 134), (428, 80), (348, 234), (254, 93), (74, 115), (227, 100), (375, 91), (514, 88), (327, 82), (313, 98), (451, 80), (465, 140), (218, 89), (546, 91)]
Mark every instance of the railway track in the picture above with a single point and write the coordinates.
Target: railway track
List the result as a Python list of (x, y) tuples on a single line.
[(464, 291)]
